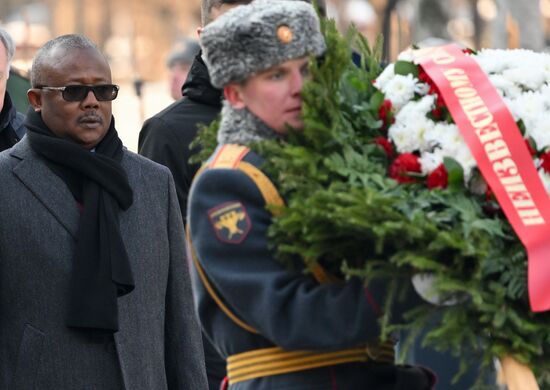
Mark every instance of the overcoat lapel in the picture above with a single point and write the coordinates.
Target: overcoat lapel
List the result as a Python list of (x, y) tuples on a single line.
[(46, 186)]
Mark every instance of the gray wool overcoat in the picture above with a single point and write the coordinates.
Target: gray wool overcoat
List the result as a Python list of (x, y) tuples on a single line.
[(158, 345)]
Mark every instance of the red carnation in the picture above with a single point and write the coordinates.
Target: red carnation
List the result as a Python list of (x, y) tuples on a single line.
[(423, 76), (385, 112), (439, 102), (403, 165), (385, 144), (437, 113), (545, 159), (438, 178)]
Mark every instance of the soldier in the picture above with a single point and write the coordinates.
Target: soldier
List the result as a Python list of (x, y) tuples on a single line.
[(278, 329)]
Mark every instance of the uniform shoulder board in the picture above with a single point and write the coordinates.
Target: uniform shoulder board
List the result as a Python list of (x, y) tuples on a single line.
[(228, 156)]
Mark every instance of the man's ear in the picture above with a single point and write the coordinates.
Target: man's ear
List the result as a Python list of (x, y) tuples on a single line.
[(233, 94), (199, 31), (35, 99)]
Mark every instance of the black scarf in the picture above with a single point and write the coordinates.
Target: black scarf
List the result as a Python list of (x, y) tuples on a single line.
[(101, 269)]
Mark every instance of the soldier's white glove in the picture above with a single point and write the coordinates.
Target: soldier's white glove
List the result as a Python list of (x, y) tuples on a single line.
[(424, 286)]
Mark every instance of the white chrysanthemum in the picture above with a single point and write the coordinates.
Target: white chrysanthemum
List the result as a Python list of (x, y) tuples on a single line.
[(447, 141), (411, 125), (429, 161), (540, 132), (504, 86), (409, 136), (406, 55), (443, 135), (491, 61), (421, 88), (464, 157), (545, 91), (528, 108), (544, 66), (523, 76), (511, 105), (400, 89), (386, 75), (545, 177)]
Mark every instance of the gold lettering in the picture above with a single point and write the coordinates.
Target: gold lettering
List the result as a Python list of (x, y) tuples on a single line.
[(531, 217), (455, 74), (523, 204), (518, 192), (465, 92), (460, 83), (490, 136), (473, 115), (522, 200), (476, 111), (529, 213), (533, 221), (441, 57), (505, 167), (469, 104), (480, 118), (511, 180), (488, 133), (496, 150)]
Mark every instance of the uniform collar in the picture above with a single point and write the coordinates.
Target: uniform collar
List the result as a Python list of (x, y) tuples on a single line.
[(242, 127)]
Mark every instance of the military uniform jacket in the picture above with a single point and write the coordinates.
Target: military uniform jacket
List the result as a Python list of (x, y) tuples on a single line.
[(250, 301)]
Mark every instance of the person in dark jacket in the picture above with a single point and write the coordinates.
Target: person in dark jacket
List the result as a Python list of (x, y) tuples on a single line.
[(166, 137), (277, 328), (11, 121)]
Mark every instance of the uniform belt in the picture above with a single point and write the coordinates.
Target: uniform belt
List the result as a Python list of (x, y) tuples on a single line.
[(274, 361)]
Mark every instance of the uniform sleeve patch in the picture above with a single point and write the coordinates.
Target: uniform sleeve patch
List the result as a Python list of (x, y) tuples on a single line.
[(230, 222)]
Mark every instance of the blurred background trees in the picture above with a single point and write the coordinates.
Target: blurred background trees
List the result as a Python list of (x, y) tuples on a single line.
[(138, 35)]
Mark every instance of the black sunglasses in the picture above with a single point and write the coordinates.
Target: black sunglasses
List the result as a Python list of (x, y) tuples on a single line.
[(77, 93)]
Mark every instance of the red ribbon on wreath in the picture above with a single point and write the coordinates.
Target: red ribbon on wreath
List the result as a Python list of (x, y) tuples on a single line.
[(499, 149)]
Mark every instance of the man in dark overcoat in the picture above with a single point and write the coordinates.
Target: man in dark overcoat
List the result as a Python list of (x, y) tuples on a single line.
[(94, 283)]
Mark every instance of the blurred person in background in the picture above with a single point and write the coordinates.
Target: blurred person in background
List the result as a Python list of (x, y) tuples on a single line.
[(11, 121), (179, 63), (166, 138)]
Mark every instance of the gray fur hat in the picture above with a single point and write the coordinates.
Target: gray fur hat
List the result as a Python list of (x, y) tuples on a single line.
[(251, 38)]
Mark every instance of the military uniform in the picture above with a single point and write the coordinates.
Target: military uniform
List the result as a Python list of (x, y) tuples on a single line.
[(278, 329)]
